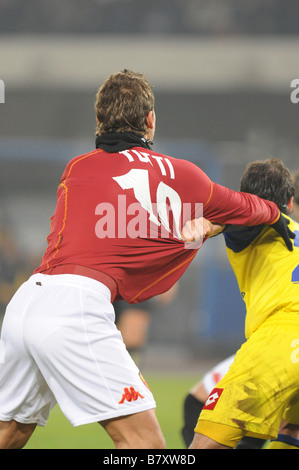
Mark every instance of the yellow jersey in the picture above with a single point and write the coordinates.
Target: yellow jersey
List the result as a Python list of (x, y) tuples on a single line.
[(267, 272)]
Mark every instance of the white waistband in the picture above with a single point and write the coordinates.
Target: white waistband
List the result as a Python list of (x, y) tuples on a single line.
[(71, 280)]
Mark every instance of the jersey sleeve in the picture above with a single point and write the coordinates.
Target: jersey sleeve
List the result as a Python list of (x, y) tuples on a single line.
[(226, 206), (223, 205)]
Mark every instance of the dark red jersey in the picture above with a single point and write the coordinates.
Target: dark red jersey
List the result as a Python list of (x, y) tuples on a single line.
[(121, 213)]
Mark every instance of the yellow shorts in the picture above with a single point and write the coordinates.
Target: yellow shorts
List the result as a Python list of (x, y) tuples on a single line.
[(260, 388)]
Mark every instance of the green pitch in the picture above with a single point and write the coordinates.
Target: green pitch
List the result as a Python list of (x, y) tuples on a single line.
[(169, 392)]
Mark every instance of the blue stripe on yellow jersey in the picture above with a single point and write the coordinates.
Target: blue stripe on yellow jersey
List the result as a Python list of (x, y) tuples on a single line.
[(266, 271)]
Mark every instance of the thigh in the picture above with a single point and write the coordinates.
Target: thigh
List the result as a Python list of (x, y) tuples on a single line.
[(24, 394), (253, 394), (77, 347), (14, 435), (137, 431)]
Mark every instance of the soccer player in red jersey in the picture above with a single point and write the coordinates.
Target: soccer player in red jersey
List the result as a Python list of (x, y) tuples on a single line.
[(115, 234)]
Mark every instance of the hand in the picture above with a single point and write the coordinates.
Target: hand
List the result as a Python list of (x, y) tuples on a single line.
[(281, 227), (197, 229)]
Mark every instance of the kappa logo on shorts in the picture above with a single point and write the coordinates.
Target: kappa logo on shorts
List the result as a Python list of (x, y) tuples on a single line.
[(130, 394), (213, 399)]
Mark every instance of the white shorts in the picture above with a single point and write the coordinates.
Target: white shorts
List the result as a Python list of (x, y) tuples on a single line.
[(214, 375), (59, 343)]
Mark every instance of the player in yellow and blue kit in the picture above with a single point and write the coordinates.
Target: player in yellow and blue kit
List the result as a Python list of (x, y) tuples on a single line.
[(261, 386)]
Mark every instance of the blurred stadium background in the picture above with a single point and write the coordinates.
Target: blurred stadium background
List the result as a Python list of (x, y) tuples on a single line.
[(221, 71)]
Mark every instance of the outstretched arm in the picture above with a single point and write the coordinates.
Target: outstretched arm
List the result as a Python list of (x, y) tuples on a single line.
[(222, 205), (197, 229)]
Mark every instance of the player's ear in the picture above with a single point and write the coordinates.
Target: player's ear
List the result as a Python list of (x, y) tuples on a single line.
[(150, 120), (291, 204)]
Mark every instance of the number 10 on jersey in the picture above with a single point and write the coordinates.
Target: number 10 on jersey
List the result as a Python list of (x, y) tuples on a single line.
[(167, 201)]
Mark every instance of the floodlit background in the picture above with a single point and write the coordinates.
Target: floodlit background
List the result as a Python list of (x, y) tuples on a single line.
[(221, 71)]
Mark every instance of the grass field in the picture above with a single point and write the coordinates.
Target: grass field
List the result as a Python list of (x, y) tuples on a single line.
[(169, 392)]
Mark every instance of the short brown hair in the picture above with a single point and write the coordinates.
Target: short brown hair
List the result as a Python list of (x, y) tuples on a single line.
[(296, 181), (123, 103), (269, 179)]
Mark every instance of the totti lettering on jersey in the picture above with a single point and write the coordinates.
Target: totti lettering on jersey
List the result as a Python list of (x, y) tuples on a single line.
[(157, 210), (145, 157)]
